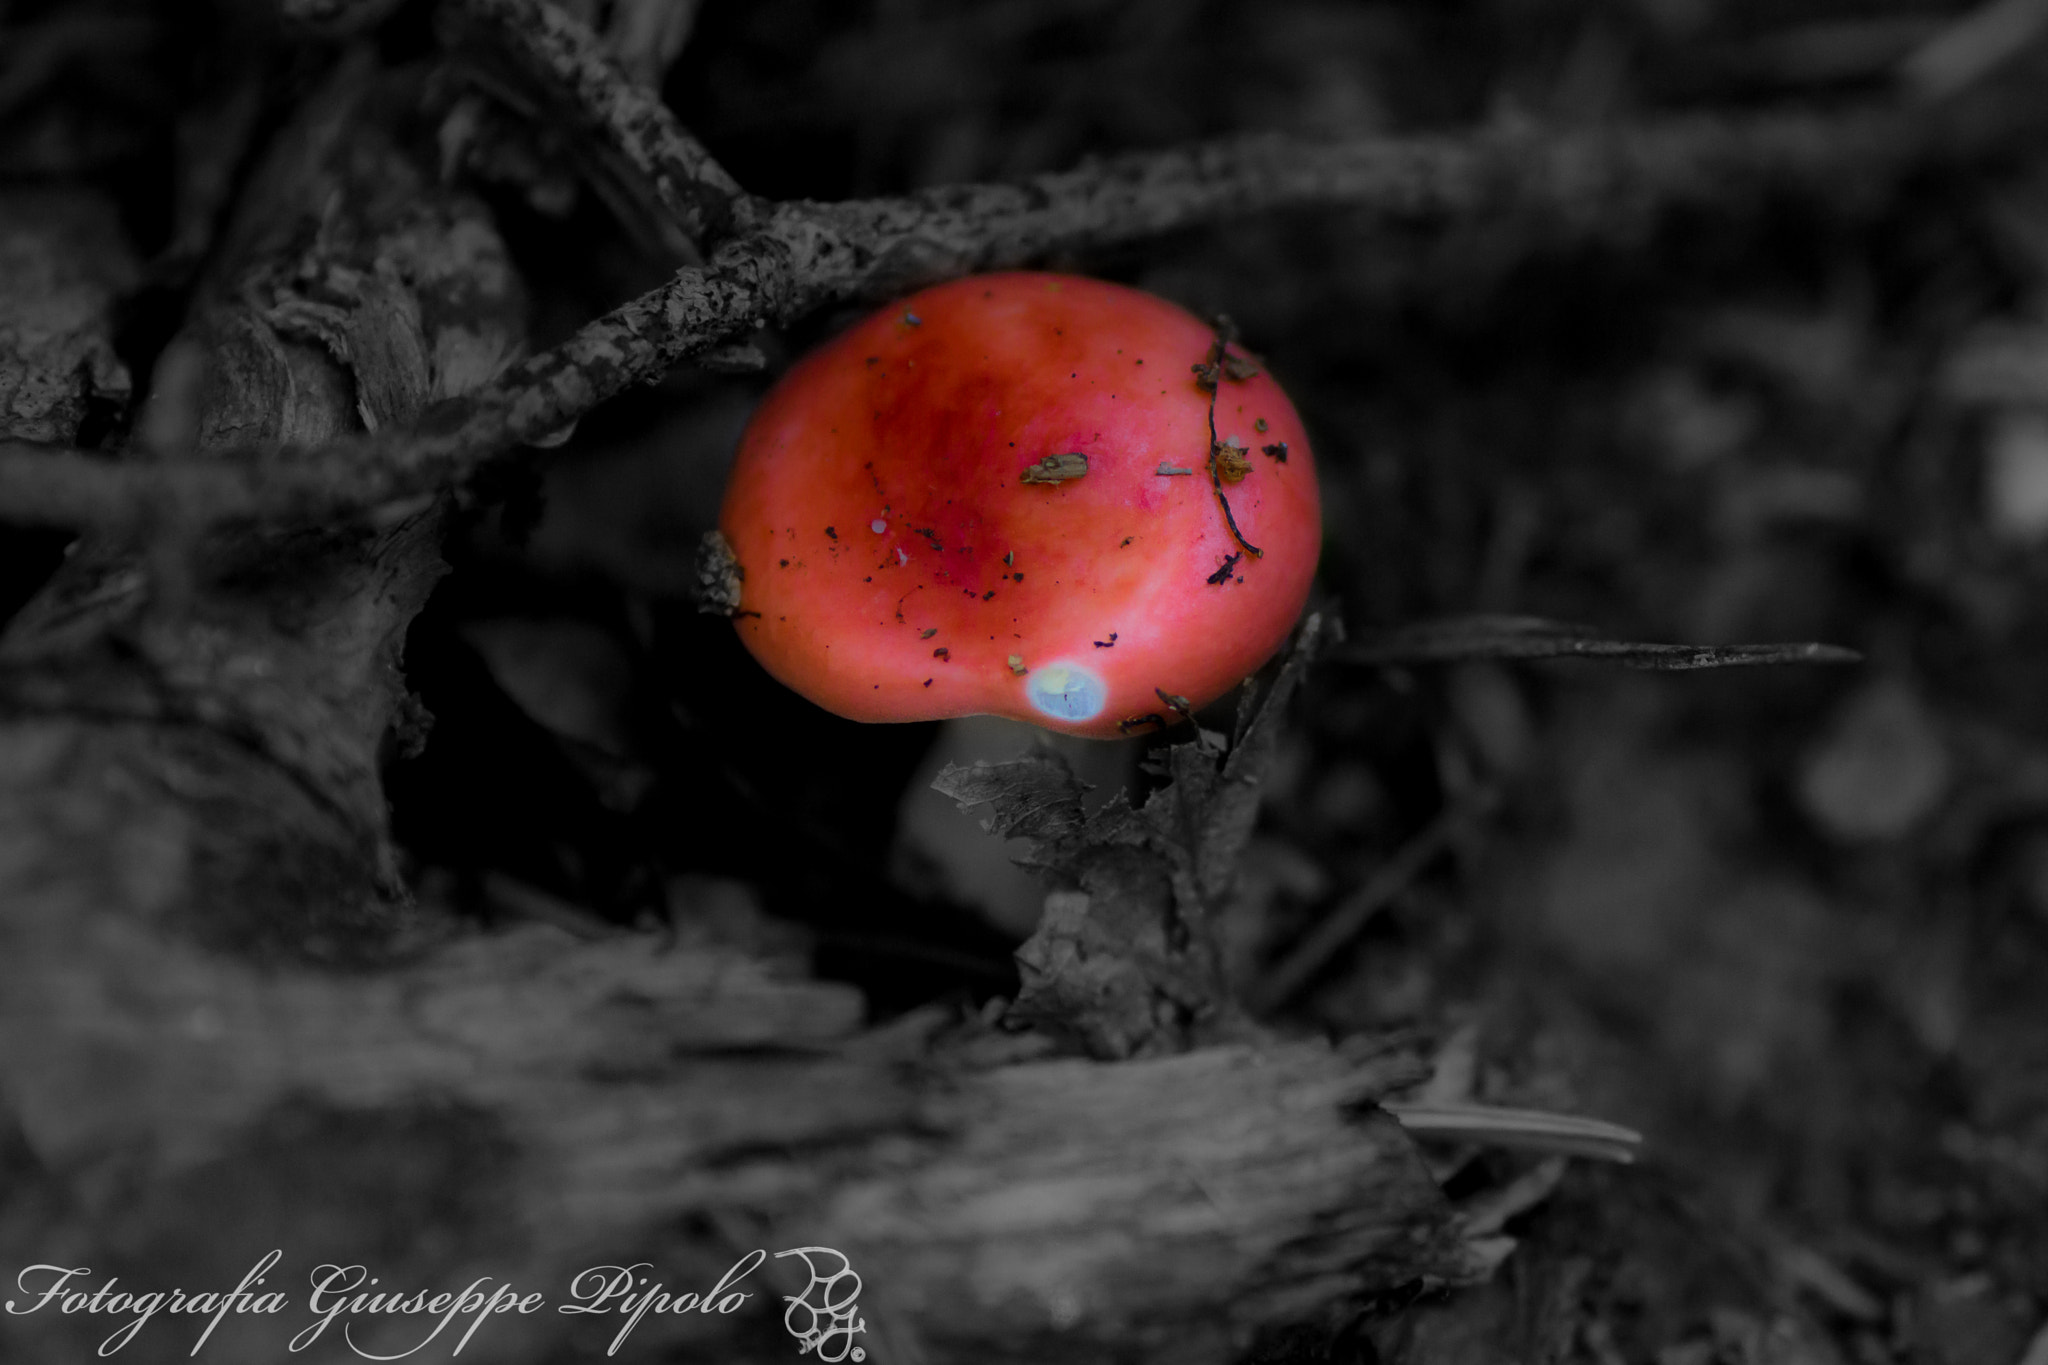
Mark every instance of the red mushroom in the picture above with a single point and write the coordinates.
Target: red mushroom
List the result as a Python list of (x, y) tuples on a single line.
[(1029, 495)]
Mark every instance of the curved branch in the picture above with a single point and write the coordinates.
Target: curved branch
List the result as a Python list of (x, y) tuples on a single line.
[(1595, 182)]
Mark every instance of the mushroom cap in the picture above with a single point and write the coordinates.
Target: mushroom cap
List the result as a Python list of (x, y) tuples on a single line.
[(899, 566)]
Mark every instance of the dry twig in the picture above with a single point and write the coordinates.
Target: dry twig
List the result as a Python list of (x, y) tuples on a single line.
[(555, 55), (804, 255)]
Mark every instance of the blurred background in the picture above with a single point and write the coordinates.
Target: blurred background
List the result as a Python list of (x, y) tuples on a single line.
[(1790, 923)]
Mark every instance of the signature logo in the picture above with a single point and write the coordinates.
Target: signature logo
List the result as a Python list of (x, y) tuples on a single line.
[(822, 1318)]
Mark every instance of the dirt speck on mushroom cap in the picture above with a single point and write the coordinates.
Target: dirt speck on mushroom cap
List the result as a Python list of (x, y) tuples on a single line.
[(927, 430)]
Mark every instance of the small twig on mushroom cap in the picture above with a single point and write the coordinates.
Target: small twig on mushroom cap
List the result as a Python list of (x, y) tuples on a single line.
[(1209, 376)]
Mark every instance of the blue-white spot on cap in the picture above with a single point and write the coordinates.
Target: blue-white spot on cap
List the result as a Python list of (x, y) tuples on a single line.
[(1066, 691)]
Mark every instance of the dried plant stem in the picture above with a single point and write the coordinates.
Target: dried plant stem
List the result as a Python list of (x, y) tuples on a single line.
[(1465, 638)]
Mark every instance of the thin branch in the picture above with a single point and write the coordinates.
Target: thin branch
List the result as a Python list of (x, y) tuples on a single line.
[(1596, 181), (1466, 638), (559, 55), (808, 254)]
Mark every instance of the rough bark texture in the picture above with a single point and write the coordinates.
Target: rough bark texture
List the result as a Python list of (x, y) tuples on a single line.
[(524, 1107)]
